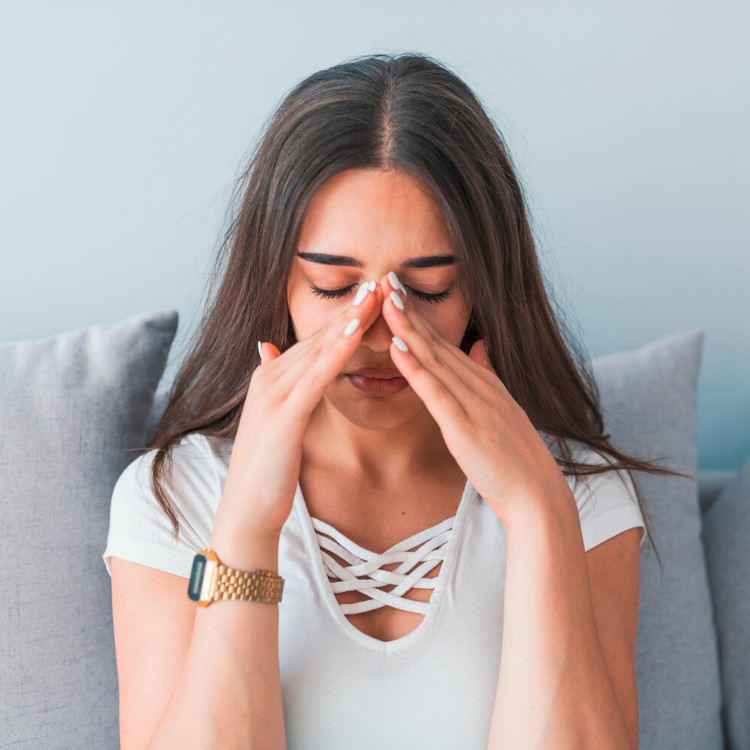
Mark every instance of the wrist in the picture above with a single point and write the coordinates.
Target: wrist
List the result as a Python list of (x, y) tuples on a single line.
[(551, 509), (245, 551)]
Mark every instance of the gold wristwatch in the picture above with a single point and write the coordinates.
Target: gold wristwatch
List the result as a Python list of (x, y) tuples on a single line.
[(211, 581)]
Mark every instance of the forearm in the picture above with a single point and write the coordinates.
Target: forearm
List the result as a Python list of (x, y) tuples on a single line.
[(229, 692), (553, 689)]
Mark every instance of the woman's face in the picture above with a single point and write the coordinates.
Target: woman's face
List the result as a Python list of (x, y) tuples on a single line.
[(380, 221)]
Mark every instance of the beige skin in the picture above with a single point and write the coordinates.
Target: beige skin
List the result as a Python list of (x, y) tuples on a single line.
[(361, 448), (381, 218)]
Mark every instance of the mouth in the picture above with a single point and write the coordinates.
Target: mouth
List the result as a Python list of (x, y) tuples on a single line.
[(376, 373), (377, 382)]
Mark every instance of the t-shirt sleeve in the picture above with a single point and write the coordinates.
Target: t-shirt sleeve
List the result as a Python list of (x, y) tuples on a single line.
[(607, 505), (139, 529)]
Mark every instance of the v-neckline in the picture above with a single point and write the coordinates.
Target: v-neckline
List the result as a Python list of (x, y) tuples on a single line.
[(321, 577)]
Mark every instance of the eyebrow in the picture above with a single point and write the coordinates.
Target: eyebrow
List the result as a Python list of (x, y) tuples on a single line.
[(426, 261)]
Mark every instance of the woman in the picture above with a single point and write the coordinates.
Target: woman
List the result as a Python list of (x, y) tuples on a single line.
[(368, 412)]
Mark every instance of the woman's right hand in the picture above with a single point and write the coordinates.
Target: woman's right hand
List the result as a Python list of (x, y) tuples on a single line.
[(284, 390)]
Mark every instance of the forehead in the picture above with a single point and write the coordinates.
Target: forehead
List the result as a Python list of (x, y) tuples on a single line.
[(364, 214)]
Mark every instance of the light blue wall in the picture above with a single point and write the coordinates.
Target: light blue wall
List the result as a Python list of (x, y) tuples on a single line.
[(124, 124)]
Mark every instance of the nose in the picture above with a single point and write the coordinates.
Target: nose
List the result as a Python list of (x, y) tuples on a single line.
[(378, 336)]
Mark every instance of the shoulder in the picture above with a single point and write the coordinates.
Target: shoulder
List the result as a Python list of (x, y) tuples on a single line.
[(607, 501), (192, 482), (193, 464)]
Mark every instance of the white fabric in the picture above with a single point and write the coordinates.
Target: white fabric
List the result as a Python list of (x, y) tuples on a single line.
[(432, 542), (434, 687)]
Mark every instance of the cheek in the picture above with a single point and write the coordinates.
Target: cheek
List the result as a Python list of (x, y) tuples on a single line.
[(451, 323), (308, 315)]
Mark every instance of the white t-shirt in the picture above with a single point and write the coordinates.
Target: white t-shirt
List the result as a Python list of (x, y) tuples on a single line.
[(433, 688)]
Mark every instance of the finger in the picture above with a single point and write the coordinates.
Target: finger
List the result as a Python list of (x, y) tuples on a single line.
[(324, 366), (304, 371), (439, 397), (433, 352), (299, 354), (478, 354), (437, 382), (421, 323), (271, 352)]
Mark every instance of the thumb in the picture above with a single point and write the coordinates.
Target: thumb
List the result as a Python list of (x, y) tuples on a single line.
[(267, 351), (478, 353)]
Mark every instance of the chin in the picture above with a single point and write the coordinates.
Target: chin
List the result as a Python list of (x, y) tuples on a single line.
[(378, 412)]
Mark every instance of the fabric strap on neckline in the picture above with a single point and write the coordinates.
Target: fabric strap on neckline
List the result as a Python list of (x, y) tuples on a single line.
[(431, 551)]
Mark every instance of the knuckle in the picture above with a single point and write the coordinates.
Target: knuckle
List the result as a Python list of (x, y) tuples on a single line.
[(257, 380), (432, 358), (441, 394)]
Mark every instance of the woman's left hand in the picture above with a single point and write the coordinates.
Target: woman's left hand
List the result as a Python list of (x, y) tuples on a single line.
[(487, 432)]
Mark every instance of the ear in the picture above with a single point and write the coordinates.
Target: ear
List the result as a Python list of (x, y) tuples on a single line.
[(478, 353)]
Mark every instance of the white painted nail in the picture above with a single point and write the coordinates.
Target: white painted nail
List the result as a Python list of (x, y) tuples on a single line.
[(397, 300), (351, 327), (400, 344), (260, 351), (362, 292), (371, 286), (396, 282)]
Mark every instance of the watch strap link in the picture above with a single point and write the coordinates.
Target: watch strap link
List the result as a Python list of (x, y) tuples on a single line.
[(258, 586)]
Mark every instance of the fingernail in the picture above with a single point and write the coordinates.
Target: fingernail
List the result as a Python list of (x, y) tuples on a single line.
[(396, 282), (371, 286), (400, 344), (351, 327), (397, 300), (260, 351), (362, 292)]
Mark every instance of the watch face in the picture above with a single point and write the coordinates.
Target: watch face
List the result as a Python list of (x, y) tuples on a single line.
[(196, 577)]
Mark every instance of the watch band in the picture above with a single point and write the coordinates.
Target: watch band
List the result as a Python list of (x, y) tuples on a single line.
[(211, 581)]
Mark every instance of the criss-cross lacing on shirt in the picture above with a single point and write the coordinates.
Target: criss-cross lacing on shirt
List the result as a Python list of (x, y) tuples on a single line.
[(432, 542)]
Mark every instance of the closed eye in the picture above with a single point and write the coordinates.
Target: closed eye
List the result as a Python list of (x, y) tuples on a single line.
[(336, 293)]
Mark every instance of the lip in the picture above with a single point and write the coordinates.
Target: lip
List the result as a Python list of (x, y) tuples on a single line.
[(382, 386), (377, 373)]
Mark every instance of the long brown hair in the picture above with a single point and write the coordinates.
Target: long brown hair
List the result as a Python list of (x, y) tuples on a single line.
[(406, 112)]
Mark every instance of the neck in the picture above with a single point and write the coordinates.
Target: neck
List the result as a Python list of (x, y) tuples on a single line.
[(376, 455)]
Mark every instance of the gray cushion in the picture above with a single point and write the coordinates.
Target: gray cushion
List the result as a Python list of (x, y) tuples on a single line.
[(160, 404), (726, 536), (649, 402), (72, 405)]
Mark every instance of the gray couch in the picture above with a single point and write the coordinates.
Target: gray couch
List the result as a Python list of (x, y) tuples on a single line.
[(77, 407)]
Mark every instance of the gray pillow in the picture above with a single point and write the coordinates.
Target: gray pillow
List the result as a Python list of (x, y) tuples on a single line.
[(649, 402), (726, 536), (71, 406)]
